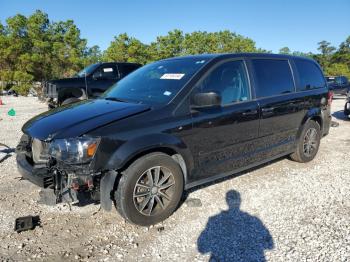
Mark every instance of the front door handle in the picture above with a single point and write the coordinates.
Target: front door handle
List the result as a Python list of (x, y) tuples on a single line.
[(267, 110), (250, 112)]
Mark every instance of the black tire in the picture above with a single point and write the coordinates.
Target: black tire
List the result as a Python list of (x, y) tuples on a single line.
[(346, 111), (304, 152), (130, 206), (70, 100)]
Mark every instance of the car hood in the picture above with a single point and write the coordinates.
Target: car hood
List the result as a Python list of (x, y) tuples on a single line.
[(78, 119), (66, 81)]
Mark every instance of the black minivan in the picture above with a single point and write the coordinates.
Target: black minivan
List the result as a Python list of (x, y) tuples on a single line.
[(175, 124)]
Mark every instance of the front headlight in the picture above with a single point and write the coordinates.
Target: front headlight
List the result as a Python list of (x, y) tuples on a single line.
[(78, 150)]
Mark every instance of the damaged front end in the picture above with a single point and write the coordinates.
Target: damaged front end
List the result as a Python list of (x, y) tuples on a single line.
[(62, 167)]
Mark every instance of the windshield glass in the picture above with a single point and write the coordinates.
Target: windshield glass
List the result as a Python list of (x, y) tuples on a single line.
[(156, 83), (87, 70)]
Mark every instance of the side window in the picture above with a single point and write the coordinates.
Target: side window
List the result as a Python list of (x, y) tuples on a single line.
[(310, 75), (127, 69), (106, 72), (338, 80), (229, 80), (272, 77)]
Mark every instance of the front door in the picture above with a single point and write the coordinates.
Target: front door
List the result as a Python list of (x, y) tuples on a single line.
[(224, 136), (104, 77)]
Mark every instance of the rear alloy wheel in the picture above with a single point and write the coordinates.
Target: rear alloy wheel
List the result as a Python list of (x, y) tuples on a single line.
[(150, 189), (308, 144)]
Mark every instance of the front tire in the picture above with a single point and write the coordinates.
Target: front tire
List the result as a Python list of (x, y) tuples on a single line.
[(150, 189), (308, 143)]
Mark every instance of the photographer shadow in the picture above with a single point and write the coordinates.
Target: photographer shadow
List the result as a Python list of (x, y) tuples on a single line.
[(234, 235)]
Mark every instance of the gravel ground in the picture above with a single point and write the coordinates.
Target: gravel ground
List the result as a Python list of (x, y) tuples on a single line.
[(284, 211)]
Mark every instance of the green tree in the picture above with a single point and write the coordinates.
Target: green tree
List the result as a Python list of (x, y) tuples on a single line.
[(285, 50), (126, 49), (326, 53), (166, 46), (338, 69), (92, 55), (217, 42), (342, 55), (34, 49)]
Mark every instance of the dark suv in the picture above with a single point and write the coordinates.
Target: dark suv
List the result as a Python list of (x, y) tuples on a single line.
[(90, 82), (339, 85), (175, 124)]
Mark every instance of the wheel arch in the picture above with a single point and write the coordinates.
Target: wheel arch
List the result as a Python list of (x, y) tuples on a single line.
[(128, 152), (314, 115), (162, 149)]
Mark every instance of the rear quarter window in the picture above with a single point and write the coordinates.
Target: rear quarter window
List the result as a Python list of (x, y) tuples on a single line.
[(310, 75), (272, 77)]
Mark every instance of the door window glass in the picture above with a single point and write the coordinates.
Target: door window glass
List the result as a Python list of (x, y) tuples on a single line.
[(273, 77), (127, 69), (107, 72), (310, 75), (229, 80)]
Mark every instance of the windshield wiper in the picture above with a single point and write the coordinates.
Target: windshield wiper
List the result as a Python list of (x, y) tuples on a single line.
[(115, 99)]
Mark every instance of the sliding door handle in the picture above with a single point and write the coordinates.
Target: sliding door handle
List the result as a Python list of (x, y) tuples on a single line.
[(268, 109), (250, 112)]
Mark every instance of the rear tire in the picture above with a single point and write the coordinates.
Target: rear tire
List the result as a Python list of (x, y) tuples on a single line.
[(308, 143), (150, 189), (346, 109), (70, 100)]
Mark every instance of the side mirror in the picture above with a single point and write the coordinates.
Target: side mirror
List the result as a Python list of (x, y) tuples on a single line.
[(205, 100)]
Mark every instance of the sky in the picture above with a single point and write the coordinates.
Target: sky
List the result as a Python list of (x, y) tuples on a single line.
[(272, 24)]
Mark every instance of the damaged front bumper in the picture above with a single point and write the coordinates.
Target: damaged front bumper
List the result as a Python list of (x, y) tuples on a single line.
[(37, 175), (61, 182), (57, 185)]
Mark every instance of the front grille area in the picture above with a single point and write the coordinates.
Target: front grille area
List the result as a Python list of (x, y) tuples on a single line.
[(24, 144), (48, 181), (50, 90)]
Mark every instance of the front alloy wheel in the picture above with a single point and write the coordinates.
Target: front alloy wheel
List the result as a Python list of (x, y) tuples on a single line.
[(154, 190), (150, 189)]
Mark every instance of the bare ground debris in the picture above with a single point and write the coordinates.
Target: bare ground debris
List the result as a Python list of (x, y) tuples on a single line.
[(283, 211)]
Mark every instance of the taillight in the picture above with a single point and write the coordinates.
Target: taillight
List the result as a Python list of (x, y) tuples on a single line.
[(330, 97)]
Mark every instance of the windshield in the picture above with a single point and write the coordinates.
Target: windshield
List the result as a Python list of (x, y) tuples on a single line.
[(87, 70), (156, 83)]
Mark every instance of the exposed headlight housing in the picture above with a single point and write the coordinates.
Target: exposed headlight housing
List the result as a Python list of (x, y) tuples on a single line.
[(78, 150)]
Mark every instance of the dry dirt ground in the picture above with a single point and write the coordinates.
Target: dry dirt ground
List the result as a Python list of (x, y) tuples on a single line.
[(283, 211)]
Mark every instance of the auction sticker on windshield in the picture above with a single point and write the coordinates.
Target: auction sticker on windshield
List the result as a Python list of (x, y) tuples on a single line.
[(172, 76)]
